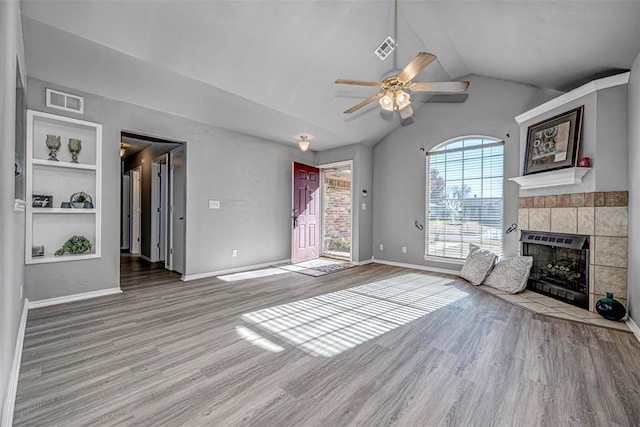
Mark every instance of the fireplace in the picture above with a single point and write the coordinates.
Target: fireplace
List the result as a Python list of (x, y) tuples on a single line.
[(560, 265)]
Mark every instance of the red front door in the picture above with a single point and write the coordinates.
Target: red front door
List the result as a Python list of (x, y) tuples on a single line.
[(306, 208)]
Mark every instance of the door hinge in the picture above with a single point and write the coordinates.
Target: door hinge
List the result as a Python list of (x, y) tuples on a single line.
[(158, 209), (158, 245)]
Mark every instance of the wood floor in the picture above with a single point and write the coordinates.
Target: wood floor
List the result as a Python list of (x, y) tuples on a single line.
[(171, 354)]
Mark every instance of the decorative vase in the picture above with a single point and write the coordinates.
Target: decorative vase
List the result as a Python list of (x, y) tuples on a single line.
[(53, 144), (75, 145), (610, 309)]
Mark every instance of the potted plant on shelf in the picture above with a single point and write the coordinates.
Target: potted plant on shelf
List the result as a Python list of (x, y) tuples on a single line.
[(74, 245), (81, 200)]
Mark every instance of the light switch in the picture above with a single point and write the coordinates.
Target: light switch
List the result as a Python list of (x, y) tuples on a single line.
[(214, 204)]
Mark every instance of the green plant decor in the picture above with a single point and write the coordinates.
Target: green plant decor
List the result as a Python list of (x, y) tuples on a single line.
[(75, 245)]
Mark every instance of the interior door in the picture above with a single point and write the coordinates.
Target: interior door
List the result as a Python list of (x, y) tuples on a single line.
[(306, 213), (126, 214), (178, 185), (135, 206)]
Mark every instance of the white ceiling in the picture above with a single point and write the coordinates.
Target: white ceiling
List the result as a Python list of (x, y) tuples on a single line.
[(266, 68)]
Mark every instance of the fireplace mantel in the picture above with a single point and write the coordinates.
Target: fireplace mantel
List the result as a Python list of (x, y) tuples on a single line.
[(566, 176)]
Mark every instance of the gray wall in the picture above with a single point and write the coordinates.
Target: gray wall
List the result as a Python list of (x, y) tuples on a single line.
[(399, 179), (250, 176), (11, 222), (362, 157), (604, 139), (634, 191)]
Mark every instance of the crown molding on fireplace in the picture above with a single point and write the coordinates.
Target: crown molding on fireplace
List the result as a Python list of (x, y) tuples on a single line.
[(593, 86), (566, 176)]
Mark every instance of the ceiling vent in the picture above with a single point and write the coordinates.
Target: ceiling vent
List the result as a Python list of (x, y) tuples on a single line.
[(65, 101), (385, 48)]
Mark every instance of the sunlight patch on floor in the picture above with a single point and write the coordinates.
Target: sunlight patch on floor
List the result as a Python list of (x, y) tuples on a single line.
[(329, 324)]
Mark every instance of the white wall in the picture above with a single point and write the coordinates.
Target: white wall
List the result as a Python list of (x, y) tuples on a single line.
[(399, 178), (634, 191), (11, 222), (250, 176)]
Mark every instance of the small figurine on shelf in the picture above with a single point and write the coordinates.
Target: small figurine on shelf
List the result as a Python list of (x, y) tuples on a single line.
[(53, 144), (75, 245), (75, 146)]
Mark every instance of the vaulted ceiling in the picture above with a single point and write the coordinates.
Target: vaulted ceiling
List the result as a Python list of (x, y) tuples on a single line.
[(267, 68)]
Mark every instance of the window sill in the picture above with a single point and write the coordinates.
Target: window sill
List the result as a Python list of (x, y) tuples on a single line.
[(444, 260)]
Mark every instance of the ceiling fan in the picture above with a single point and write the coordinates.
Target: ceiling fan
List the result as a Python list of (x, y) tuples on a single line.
[(393, 94)]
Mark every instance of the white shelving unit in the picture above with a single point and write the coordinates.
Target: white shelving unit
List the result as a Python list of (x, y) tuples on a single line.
[(51, 227)]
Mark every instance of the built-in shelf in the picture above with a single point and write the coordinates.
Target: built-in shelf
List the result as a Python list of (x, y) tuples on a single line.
[(48, 229), (68, 165), (62, 211), (61, 258), (567, 176)]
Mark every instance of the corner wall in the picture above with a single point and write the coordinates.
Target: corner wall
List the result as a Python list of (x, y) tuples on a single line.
[(399, 179), (11, 221), (633, 97)]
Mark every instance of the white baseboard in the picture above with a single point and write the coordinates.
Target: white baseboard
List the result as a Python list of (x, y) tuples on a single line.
[(365, 262), (634, 327), (417, 267), (188, 277), (12, 385), (75, 297)]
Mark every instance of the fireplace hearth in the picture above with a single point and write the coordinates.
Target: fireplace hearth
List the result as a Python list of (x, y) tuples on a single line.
[(560, 265)]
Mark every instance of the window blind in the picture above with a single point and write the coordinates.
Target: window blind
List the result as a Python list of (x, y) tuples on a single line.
[(465, 197)]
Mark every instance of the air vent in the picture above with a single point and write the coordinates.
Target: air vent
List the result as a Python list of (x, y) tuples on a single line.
[(385, 48), (65, 101)]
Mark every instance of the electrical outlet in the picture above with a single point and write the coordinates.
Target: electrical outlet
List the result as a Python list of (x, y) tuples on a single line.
[(404, 249), (381, 247), (214, 204), (364, 206), (234, 252)]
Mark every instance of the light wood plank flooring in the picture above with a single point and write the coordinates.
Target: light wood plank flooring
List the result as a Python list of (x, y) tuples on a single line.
[(170, 354)]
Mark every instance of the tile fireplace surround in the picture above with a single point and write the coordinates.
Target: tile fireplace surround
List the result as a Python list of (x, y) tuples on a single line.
[(600, 215)]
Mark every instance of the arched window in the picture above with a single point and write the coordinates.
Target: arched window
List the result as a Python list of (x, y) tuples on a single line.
[(464, 197)]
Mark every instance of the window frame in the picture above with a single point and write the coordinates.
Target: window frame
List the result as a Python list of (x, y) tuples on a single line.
[(438, 149)]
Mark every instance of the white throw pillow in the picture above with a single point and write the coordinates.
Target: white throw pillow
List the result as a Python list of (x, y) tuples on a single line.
[(510, 274), (478, 264)]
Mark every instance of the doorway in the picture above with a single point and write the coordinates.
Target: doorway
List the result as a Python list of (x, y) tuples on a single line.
[(337, 210), (153, 201), (322, 211)]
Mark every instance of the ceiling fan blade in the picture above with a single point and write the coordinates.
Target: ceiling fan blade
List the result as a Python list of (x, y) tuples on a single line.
[(453, 87), (415, 66), (358, 82), (363, 103)]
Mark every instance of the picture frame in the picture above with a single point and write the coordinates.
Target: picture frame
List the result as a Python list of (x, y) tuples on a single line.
[(554, 143), (41, 201)]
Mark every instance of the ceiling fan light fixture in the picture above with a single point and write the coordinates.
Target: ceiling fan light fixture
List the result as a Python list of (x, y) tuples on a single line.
[(403, 99), (406, 112), (303, 143), (386, 102)]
